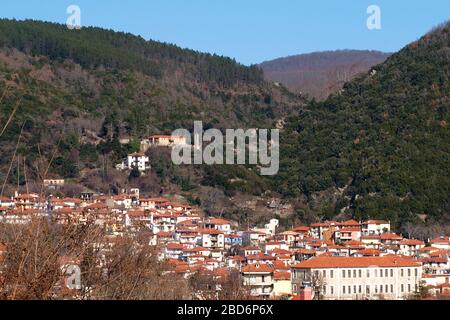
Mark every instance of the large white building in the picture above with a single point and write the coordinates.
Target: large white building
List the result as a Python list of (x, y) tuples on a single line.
[(375, 227), (358, 278), (135, 160)]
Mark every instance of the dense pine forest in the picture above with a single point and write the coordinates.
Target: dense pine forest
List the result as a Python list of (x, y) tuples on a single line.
[(94, 47)]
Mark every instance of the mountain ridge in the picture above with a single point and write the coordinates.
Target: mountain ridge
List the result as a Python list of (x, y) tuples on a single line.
[(320, 74)]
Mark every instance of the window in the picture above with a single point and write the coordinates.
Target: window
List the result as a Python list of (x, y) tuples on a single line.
[(386, 273), (402, 287), (409, 272), (324, 289), (368, 290), (343, 273), (409, 288), (392, 288), (375, 273), (360, 273), (416, 272), (349, 289), (387, 289), (324, 273), (360, 289), (331, 273), (368, 273), (354, 273), (402, 272), (392, 273), (343, 289), (354, 289), (294, 288), (349, 273), (263, 279), (381, 288), (376, 289), (332, 290)]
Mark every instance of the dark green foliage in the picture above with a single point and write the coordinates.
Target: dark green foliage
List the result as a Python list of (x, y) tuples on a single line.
[(134, 173), (95, 47), (386, 138)]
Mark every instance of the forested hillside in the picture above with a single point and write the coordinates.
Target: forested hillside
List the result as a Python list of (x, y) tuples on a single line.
[(381, 148), (76, 93)]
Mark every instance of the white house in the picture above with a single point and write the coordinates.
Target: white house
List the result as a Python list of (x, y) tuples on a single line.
[(441, 243), (259, 278), (219, 224), (375, 227), (135, 160)]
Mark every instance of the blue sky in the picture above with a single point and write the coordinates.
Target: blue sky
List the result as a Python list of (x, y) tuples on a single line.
[(250, 30)]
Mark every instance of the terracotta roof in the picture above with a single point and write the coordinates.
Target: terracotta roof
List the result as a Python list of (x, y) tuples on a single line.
[(137, 154), (349, 223), (301, 229), (375, 222), (218, 221), (282, 275), (441, 240), (356, 262), (370, 252), (349, 229), (429, 249), (97, 205), (305, 251), (321, 224), (390, 236), (278, 251), (175, 246), (351, 243), (209, 231), (261, 256), (411, 242), (257, 268)]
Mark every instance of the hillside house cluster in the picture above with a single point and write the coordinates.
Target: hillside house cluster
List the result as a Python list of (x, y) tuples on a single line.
[(327, 260), (140, 160)]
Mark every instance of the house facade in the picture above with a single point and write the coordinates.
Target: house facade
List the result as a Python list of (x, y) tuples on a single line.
[(357, 278)]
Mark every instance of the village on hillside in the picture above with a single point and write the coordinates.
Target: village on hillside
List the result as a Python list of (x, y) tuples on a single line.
[(328, 260)]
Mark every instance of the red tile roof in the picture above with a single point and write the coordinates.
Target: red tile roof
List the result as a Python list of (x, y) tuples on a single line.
[(411, 242), (218, 221), (282, 275), (356, 262), (441, 240), (375, 222), (257, 268)]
